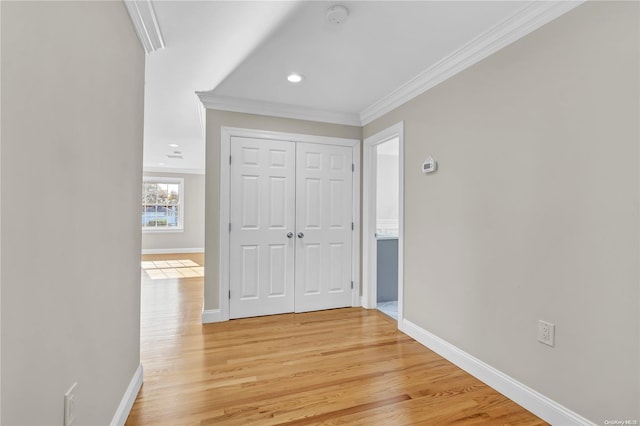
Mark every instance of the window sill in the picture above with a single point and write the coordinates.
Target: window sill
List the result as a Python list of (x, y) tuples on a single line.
[(162, 231)]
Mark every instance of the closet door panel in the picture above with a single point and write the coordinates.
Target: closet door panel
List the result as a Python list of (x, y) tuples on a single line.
[(324, 186), (262, 207)]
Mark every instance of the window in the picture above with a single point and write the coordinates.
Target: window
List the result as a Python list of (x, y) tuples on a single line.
[(162, 204)]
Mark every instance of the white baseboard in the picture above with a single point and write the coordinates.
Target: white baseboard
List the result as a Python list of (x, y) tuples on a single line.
[(211, 315), (173, 250), (543, 407), (129, 397)]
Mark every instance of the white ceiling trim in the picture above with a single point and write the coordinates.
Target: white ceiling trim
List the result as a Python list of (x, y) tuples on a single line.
[(528, 19), (523, 22), (145, 23), (173, 170), (274, 109)]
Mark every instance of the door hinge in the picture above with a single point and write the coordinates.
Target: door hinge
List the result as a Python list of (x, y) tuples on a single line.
[(229, 159), (353, 167), (229, 294), (229, 226), (351, 285), (352, 226)]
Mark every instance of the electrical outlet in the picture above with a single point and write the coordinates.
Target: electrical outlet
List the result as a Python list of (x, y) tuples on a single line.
[(546, 333), (70, 405)]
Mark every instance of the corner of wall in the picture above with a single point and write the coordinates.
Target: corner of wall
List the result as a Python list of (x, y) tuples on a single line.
[(211, 315), (545, 408), (128, 399)]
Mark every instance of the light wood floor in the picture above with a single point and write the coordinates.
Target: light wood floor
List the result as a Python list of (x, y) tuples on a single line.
[(344, 366)]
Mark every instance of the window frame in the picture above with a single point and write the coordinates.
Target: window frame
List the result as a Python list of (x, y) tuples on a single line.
[(167, 180)]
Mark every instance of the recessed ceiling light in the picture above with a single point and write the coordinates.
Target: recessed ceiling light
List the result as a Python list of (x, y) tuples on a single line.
[(174, 145), (160, 164), (295, 77)]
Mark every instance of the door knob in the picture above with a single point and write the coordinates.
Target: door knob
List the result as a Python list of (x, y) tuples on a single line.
[(300, 235), (289, 234)]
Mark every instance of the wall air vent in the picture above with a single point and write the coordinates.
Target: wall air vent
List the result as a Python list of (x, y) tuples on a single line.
[(178, 156)]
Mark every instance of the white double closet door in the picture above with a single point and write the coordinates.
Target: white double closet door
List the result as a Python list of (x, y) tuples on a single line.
[(291, 227)]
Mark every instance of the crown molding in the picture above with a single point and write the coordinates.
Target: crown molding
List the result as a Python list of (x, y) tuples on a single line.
[(528, 19), (173, 170), (145, 23), (275, 109)]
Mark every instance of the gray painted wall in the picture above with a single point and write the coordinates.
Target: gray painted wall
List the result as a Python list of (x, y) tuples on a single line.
[(193, 235), (72, 105), (533, 212)]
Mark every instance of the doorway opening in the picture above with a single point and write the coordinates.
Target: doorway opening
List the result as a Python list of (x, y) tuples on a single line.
[(383, 222), (387, 226)]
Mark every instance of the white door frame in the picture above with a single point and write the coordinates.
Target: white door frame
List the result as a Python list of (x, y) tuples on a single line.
[(369, 243), (225, 184)]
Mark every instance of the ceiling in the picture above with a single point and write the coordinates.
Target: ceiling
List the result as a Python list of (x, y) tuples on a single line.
[(240, 52)]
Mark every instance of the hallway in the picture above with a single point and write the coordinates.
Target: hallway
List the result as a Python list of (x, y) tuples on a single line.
[(344, 366)]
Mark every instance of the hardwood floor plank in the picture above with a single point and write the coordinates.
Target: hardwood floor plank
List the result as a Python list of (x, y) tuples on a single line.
[(338, 367)]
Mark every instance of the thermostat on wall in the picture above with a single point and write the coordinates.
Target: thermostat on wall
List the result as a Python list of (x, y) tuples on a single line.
[(429, 166)]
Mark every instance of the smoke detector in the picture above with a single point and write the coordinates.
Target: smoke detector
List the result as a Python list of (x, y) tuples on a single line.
[(337, 14)]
